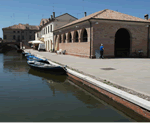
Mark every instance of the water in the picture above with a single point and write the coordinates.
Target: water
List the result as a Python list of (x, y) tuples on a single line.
[(27, 95)]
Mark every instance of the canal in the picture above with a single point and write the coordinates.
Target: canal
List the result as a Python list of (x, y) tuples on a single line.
[(27, 95)]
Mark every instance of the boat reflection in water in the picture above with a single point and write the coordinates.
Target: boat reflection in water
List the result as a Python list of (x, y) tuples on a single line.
[(55, 82), (47, 76)]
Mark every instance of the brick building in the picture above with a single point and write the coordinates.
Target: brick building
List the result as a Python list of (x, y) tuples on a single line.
[(121, 35), (19, 33)]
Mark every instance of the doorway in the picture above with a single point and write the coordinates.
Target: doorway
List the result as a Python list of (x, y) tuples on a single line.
[(122, 43)]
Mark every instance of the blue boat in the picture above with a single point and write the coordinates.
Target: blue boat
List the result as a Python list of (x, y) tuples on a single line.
[(31, 56), (38, 60)]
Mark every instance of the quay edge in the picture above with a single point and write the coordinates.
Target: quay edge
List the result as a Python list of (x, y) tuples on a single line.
[(134, 103)]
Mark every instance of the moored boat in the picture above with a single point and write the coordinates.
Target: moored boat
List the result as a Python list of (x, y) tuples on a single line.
[(23, 53), (47, 67), (27, 54), (38, 60)]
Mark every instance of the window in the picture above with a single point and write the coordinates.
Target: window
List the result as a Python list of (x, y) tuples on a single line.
[(30, 37), (5, 37), (14, 31), (22, 31), (48, 29), (30, 31), (18, 37), (51, 28), (14, 37), (18, 31), (22, 37)]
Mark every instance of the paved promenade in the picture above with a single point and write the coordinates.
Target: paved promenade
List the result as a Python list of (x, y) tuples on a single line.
[(127, 72)]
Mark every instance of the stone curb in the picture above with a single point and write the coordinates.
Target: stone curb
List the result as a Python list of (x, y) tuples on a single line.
[(129, 97)]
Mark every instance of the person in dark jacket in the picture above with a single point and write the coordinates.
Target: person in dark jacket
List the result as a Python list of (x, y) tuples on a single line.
[(101, 51)]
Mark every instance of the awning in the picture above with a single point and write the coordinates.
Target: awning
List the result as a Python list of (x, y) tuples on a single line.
[(42, 39), (35, 42)]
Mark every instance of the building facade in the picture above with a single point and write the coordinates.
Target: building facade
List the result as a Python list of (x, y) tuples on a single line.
[(48, 25), (121, 35), (19, 33)]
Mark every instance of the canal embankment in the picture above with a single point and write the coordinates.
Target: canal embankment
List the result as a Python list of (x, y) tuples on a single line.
[(89, 73)]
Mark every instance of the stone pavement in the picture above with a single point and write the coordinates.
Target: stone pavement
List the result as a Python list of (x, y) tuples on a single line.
[(131, 73)]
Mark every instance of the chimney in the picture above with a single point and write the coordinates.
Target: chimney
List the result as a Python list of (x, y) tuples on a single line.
[(53, 14), (146, 16), (43, 23), (49, 19), (84, 14)]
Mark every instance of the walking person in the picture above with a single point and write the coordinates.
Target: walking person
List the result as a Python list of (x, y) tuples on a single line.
[(101, 51)]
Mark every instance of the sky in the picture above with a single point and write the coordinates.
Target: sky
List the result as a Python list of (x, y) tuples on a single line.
[(32, 11)]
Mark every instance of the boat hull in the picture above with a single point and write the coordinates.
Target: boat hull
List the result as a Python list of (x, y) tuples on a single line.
[(52, 70)]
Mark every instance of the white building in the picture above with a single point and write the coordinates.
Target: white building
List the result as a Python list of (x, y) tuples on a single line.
[(48, 25)]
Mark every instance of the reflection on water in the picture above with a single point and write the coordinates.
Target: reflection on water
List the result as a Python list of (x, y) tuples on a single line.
[(27, 95), (47, 76), (15, 63)]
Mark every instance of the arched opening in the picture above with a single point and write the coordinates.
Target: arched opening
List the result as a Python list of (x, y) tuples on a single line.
[(55, 41), (76, 36), (122, 43), (59, 38), (69, 38), (51, 45), (64, 38), (84, 36), (48, 45)]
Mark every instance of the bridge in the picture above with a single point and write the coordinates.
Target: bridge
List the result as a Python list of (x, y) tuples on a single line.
[(14, 43)]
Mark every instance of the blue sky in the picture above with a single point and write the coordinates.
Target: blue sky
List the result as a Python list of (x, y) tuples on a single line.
[(32, 11)]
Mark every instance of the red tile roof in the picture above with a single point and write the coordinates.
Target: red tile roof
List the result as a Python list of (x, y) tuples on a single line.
[(108, 14), (23, 26), (45, 21)]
